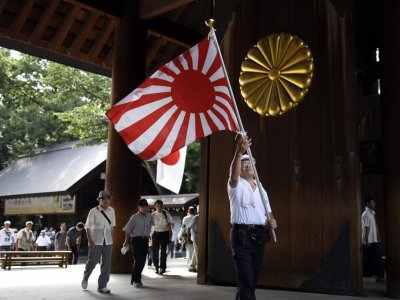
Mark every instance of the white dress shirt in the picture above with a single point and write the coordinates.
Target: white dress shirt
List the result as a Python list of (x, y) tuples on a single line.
[(160, 222), (368, 220)]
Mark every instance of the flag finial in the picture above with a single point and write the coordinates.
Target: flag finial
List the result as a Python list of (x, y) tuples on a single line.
[(210, 23)]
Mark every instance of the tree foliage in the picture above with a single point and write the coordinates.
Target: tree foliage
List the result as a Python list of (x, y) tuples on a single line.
[(44, 103)]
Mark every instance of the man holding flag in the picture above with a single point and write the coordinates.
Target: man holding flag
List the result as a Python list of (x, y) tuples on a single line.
[(250, 226)]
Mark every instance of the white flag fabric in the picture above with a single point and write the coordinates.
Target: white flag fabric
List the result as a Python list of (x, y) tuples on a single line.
[(170, 170)]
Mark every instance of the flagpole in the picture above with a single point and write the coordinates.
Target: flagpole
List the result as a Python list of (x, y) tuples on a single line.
[(210, 24)]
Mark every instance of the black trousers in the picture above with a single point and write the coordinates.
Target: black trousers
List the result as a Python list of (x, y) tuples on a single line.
[(73, 257), (372, 261), (140, 246), (160, 241), (248, 259)]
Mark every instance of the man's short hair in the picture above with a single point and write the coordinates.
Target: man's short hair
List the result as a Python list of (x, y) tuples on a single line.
[(159, 202), (142, 202), (368, 199)]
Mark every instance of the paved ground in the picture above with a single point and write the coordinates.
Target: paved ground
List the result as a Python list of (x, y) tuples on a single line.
[(51, 282)]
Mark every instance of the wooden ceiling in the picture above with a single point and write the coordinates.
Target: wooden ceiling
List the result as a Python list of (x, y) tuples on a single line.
[(81, 33)]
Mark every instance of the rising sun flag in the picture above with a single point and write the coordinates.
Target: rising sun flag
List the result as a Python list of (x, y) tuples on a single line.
[(184, 101)]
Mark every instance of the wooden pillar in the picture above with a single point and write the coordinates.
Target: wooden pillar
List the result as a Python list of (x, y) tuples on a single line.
[(391, 126), (123, 170)]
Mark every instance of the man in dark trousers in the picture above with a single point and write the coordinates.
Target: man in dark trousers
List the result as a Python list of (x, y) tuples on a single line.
[(161, 237), (250, 224), (99, 227), (137, 234)]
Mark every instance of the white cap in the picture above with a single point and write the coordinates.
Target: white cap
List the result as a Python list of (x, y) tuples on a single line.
[(7, 222), (28, 222), (245, 157)]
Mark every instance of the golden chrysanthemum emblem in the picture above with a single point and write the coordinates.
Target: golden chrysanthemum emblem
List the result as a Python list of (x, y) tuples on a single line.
[(276, 74)]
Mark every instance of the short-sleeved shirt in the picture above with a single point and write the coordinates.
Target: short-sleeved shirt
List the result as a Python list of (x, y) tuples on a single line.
[(246, 204), (6, 237), (43, 241), (99, 226), (74, 235), (25, 239), (160, 221), (194, 228), (139, 225), (61, 238), (368, 220), (185, 222)]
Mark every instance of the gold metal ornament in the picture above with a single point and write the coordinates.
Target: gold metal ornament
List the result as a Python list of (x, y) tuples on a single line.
[(276, 74)]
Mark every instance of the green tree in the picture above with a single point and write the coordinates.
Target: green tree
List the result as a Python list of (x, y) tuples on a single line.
[(44, 103), (191, 179)]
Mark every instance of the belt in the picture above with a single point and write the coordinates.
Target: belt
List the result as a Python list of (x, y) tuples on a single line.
[(247, 226), (141, 237)]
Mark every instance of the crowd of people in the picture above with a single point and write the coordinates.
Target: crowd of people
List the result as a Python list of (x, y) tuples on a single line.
[(47, 239), (161, 240)]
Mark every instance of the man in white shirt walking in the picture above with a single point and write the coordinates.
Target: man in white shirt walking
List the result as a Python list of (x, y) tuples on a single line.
[(373, 264), (161, 237), (99, 226)]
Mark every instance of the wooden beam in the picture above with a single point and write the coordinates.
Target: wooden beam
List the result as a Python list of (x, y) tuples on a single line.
[(155, 46), (44, 20), (101, 39), (173, 32), (20, 18), (153, 50), (80, 39), (169, 51), (64, 28), (153, 8)]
